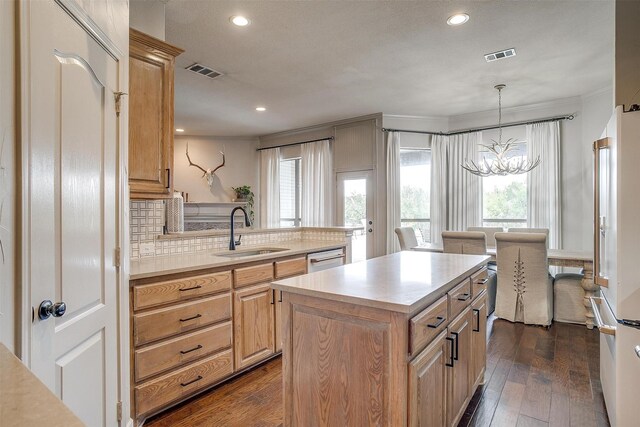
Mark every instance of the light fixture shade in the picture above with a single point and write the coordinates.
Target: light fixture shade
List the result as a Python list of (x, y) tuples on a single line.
[(503, 164), (458, 19)]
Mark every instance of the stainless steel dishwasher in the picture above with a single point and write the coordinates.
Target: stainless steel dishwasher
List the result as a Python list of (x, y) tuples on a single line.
[(319, 261)]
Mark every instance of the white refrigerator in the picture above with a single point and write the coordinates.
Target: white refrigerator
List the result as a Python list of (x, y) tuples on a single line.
[(617, 265)]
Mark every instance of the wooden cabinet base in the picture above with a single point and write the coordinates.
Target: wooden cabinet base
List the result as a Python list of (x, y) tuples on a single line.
[(183, 382)]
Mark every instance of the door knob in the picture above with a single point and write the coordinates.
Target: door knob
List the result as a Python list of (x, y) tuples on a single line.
[(48, 309)]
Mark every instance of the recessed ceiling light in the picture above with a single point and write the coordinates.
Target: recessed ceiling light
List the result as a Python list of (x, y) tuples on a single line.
[(179, 130), (458, 19), (261, 109), (240, 21)]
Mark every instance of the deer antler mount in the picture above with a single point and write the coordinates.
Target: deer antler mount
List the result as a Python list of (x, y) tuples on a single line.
[(206, 173)]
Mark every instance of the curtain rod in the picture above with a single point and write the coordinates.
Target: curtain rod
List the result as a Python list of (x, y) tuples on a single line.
[(296, 143), (506, 125)]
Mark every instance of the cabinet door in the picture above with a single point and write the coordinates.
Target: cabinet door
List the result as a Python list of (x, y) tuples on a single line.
[(459, 380), (428, 384), (151, 71), (478, 340), (253, 318), (278, 323)]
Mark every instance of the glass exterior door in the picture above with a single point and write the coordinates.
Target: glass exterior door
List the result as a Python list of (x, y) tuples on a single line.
[(355, 209)]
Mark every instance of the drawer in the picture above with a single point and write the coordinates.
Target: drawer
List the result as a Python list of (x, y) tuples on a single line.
[(182, 383), (168, 321), (291, 267), (178, 351), (479, 281), (176, 290), (427, 324), (459, 298), (251, 275)]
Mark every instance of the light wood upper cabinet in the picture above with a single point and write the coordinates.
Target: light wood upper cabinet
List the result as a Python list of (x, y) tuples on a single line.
[(151, 92)]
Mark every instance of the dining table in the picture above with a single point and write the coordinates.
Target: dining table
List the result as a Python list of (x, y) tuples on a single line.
[(558, 258)]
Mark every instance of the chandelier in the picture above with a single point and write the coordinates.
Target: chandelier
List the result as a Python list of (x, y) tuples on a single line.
[(503, 164)]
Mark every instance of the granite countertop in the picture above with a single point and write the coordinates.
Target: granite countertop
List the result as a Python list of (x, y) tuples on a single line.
[(403, 282), (242, 230), (25, 400), (163, 265)]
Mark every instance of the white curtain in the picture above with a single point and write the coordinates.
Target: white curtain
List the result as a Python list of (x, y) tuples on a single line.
[(393, 191), (270, 188), (317, 184), (464, 188), (543, 183), (438, 210)]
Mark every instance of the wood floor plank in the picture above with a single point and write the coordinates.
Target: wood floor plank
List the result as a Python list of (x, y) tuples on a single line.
[(524, 421), (534, 377), (508, 409)]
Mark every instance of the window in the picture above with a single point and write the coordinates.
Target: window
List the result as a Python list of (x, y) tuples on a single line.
[(415, 184), (290, 193), (504, 198)]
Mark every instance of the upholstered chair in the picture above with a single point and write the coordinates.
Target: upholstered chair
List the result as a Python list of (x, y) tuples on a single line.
[(464, 242), (568, 299), (407, 238), (525, 287), (472, 243), (545, 231), (489, 232)]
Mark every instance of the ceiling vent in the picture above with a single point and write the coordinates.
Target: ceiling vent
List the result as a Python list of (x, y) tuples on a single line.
[(204, 71), (501, 54)]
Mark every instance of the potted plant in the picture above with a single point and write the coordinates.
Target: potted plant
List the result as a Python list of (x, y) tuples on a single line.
[(244, 194)]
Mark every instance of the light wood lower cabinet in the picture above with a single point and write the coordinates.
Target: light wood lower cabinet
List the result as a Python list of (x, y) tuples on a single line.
[(460, 374), (428, 384), (479, 339), (253, 321)]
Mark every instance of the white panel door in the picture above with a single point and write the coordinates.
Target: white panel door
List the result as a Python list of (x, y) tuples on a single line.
[(70, 213)]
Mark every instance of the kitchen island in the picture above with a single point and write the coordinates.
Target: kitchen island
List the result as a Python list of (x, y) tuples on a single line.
[(393, 341)]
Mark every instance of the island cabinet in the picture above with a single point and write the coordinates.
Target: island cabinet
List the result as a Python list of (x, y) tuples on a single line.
[(191, 331), (151, 93), (387, 342)]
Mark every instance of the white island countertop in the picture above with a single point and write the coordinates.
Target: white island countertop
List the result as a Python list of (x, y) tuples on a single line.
[(401, 282), (171, 264)]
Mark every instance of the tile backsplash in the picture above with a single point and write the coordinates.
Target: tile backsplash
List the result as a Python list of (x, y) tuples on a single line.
[(146, 223)]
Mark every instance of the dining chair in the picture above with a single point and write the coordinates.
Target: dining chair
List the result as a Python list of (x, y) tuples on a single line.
[(525, 287), (489, 232), (568, 298), (407, 238), (464, 242), (545, 231), (472, 243)]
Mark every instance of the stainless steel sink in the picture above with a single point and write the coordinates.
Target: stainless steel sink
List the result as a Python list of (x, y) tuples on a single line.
[(251, 252)]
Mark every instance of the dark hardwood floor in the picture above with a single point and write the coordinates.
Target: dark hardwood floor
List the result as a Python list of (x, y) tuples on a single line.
[(535, 377)]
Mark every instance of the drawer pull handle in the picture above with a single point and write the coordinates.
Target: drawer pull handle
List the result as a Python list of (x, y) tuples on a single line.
[(439, 322), (198, 378), (464, 297), (476, 314), (450, 363), (189, 289), (455, 335), (273, 297), (280, 299), (191, 318), (198, 347), (482, 281)]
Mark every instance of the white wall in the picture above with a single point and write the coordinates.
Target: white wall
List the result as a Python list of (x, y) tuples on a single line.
[(415, 140), (242, 167), (8, 302), (148, 16), (591, 115)]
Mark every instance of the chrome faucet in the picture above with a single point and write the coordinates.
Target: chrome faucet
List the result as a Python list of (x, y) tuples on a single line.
[(232, 240)]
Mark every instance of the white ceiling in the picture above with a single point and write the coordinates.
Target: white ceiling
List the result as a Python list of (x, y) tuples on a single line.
[(312, 62)]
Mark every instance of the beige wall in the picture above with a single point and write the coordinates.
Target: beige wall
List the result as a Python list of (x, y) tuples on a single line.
[(242, 167), (8, 302), (148, 16)]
